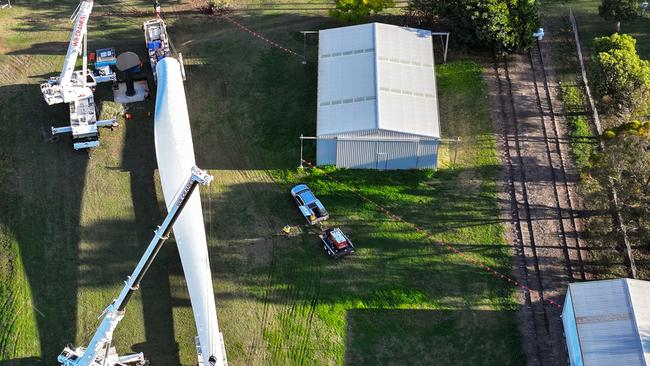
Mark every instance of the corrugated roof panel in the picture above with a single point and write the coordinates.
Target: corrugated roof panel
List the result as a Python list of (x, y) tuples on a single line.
[(591, 299), (356, 62), (610, 343), (346, 77), (339, 40), (407, 114), (405, 44), (346, 117), (613, 321)]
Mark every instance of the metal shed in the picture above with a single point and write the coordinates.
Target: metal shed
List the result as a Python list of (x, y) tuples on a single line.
[(377, 101), (607, 323)]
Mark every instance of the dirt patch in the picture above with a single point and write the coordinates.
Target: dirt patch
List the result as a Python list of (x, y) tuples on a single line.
[(535, 201)]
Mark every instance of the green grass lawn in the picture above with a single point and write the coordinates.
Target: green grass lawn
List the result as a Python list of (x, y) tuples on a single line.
[(73, 227), (591, 25)]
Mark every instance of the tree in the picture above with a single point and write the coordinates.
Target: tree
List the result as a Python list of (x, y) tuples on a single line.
[(618, 10), (355, 10), (502, 25), (626, 161), (621, 80)]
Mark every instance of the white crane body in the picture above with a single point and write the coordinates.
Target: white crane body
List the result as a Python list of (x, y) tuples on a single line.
[(99, 351), (76, 87)]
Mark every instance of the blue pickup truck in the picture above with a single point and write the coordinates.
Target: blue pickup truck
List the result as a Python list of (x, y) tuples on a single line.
[(309, 205)]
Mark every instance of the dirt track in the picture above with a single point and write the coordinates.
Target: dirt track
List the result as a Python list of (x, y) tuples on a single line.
[(540, 196)]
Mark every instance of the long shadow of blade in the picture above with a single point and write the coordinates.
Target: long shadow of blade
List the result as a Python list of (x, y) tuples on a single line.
[(42, 186), (140, 160)]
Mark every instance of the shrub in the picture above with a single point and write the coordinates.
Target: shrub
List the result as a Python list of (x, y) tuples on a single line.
[(355, 10), (620, 79), (609, 134)]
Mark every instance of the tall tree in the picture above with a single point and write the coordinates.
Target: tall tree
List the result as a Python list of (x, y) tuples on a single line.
[(618, 10), (626, 163), (502, 25)]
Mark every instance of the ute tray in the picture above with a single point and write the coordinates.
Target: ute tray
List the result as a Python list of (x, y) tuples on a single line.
[(157, 40)]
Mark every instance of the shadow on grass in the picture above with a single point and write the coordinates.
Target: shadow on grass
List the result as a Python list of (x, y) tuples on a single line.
[(42, 189), (392, 268), (431, 337), (42, 186), (139, 159)]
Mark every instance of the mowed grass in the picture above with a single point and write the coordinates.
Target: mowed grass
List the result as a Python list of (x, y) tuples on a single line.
[(75, 226), (590, 25)]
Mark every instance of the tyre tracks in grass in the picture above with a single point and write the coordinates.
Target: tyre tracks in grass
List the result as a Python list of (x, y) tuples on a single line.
[(289, 299)]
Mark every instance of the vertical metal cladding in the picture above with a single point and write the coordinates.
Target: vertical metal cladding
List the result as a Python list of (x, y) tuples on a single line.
[(398, 154), (428, 154), (383, 150), (571, 332), (326, 152), (175, 156), (357, 154)]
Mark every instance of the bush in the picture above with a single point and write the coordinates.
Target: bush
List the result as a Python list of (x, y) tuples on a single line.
[(355, 10), (620, 79), (609, 134), (631, 128)]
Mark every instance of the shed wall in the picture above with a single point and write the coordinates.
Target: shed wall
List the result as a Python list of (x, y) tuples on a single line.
[(356, 154), (365, 152), (399, 154), (571, 333), (325, 152), (428, 154)]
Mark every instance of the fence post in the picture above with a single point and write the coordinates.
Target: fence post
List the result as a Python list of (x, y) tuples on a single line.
[(301, 140), (456, 151)]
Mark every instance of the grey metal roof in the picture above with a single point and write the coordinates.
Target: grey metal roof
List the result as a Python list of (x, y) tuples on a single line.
[(377, 77), (613, 321)]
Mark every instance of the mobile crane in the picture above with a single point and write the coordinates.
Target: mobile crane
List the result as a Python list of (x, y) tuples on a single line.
[(76, 87), (99, 351)]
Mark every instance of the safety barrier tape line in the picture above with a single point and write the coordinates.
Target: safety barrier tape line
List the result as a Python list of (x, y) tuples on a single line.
[(255, 34), (441, 244)]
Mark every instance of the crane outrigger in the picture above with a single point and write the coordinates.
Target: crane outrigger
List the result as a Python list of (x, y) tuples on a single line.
[(76, 87), (99, 351)]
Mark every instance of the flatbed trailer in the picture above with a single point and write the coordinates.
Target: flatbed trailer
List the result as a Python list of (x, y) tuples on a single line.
[(158, 44)]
